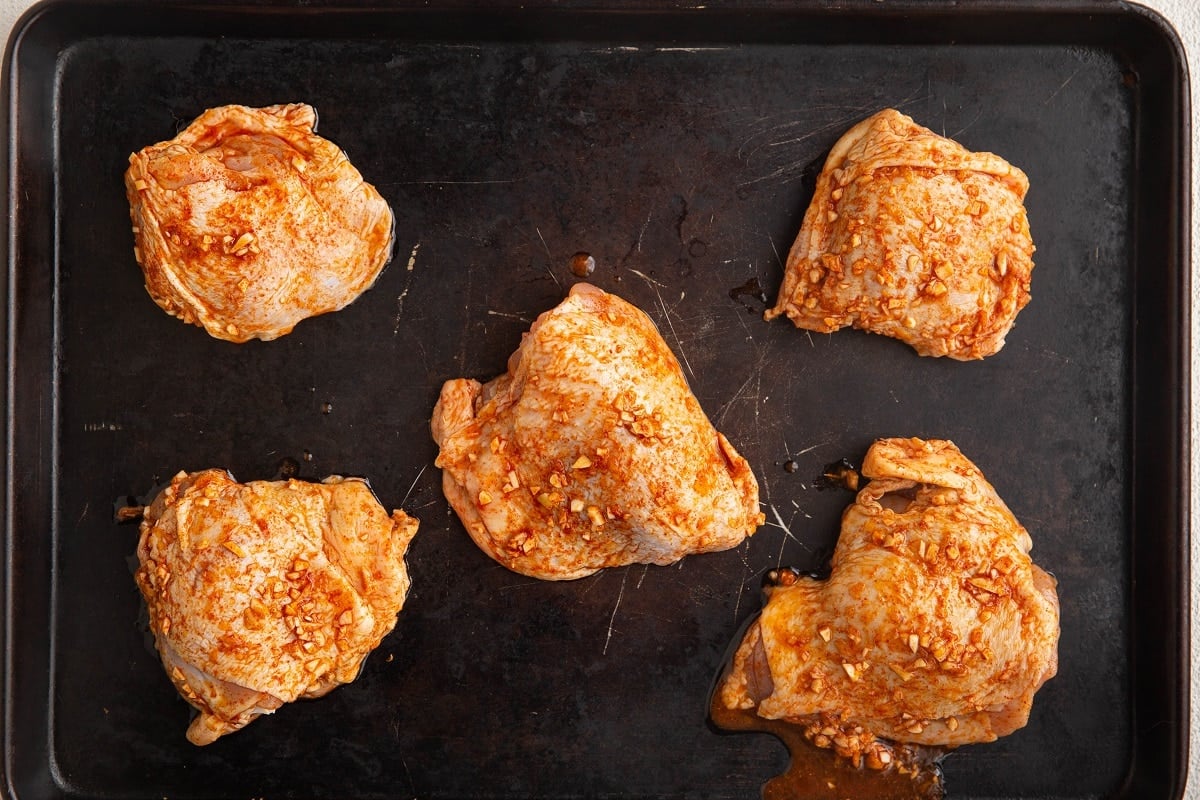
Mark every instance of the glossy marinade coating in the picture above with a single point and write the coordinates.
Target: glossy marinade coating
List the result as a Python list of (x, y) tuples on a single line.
[(910, 235), (265, 592), (934, 626), (247, 222), (591, 451)]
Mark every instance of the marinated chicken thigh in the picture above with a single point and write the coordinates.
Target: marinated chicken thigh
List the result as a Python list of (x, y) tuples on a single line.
[(265, 592), (934, 626), (247, 222), (591, 451), (912, 236)]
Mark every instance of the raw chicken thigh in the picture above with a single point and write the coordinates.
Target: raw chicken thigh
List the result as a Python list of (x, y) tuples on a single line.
[(247, 222), (912, 236), (591, 451), (933, 628), (265, 592)]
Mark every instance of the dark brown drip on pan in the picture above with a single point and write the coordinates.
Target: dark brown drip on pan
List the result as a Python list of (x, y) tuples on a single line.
[(583, 264), (839, 475), (750, 289), (819, 774)]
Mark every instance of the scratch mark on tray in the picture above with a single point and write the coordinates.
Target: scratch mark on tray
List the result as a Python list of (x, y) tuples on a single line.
[(461, 357), (449, 183), (591, 584), (724, 409), (770, 132), (963, 129), (777, 143), (615, 49), (812, 447), (775, 250), (779, 557), (647, 278), (546, 247), (745, 328), (642, 577), (407, 775), (671, 325), (761, 355), (743, 553), (1062, 86), (507, 315), (613, 616), (918, 95), (82, 515), (779, 523), (642, 232), (412, 262), (413, 485), (790, 167), (668, 316), (529, 584), (1054, 355)]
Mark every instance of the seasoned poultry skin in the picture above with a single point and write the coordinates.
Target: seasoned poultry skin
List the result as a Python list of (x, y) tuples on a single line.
[(910, 235), (247, 222), (269, 591), (934, 626), (591, 451)]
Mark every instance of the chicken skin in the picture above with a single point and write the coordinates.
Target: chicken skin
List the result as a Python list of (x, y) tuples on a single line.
[(934, 626), (265, 592), (591, 451), (912, 236), (247, 222)]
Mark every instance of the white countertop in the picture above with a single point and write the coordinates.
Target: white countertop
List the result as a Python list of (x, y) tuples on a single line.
[(1185, 16)]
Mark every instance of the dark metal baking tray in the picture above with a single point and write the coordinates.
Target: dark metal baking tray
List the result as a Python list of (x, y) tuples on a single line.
[(677, 145)]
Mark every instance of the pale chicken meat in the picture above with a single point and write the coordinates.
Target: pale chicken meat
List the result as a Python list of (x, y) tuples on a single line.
[(591, 451), (933, 628), (248, 222), (912, 236), (266, 592)]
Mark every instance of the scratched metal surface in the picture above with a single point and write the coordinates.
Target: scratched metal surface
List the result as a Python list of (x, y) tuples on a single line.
[(684, 170)]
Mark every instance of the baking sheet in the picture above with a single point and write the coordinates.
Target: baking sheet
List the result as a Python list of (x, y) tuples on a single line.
[(677, 146)]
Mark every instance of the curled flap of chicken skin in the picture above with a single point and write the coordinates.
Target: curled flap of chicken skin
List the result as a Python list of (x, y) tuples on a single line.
[(265, 592), (912, 236), (247, 222), (591, 451), (934, 626)]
